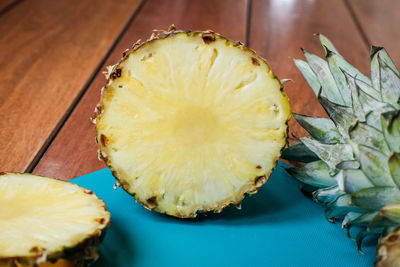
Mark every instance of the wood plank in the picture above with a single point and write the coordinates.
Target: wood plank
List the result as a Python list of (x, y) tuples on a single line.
[(379, 21), (6, 5), (74, 151), (280, 28), (49, 50)]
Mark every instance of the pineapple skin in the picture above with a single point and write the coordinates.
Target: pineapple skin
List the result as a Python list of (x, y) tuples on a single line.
[(79, 255), (389, 250), (351, 161), (208, 36)]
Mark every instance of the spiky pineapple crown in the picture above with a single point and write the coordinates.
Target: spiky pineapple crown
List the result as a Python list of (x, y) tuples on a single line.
[(352, 159)]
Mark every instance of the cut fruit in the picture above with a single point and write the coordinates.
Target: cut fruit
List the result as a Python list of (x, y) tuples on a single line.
[(45, 220), (191, 121)]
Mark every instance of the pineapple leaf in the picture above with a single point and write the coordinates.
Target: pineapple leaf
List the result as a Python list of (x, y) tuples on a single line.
[(374, 164), (327, 194), (331, 154), (365, 219), (309, 75), (340, 79), (390, 85), (327, 44), (348, 221), (340, 61), (368, 89), (316, 174), (374, 198), (349, 164), (355, 101), (342, 116), (379, 54), (391, 129), (391, 212), (363, 234), (299, 152), (351, 181), (344, 66), (364, 134), (340, 207), (373, 108), (321, 69), (322, 129), (394, 167)]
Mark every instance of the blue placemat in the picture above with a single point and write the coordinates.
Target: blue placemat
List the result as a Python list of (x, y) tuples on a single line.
[(278, 226)]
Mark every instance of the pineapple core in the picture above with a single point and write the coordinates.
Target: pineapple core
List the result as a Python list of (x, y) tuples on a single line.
[(190, 125)]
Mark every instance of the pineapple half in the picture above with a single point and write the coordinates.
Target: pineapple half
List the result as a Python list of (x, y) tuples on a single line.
[(48, 222), (352, 160), (191, 122)]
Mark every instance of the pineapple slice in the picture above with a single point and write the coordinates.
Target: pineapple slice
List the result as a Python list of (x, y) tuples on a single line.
[(45, 220), (191, 121)]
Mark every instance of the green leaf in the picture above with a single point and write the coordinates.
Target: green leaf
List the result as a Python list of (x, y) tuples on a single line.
[(348, 221), (322, 129), (373, 108), (299, 152), (341, 62), (331, 154), (307, 190), (375, 166), (321, 69), (327, 195), (334, 62), (364, 134), (342, 116), (326, 44), (391, 212), (314, 173), (340, 207), (368, 89), (351, 181), (394, 167), (364, 233), (349, 164), (309, 75), (378, 55), (390, 122), (390, 85), (355, 101), (375, 198), (365, 219)]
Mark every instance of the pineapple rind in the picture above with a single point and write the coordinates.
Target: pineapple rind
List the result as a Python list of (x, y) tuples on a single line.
[(152, 199), (79, 252), (389, 250)]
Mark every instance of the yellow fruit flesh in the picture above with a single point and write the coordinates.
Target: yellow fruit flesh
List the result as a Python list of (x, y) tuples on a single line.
[(39, 214), (192, 125)]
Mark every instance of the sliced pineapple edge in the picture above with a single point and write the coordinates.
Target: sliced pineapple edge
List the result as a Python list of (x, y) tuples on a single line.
[(48, 222), (191, 93)]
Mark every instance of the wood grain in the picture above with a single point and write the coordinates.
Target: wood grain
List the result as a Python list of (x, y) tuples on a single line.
[(280, 28), (380, 20), (49, 50), (74, 151), (6, 5)]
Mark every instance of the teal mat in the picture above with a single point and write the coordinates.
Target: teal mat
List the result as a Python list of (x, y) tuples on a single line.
[(278, 226)]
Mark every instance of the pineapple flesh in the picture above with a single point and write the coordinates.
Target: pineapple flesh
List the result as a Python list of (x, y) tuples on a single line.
[(191, 121), (48, 222), (352, 160)]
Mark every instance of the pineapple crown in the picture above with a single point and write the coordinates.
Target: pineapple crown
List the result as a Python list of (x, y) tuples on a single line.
[(352, 160)]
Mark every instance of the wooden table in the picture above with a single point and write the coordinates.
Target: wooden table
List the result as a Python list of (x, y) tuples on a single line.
[(53, 53)]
